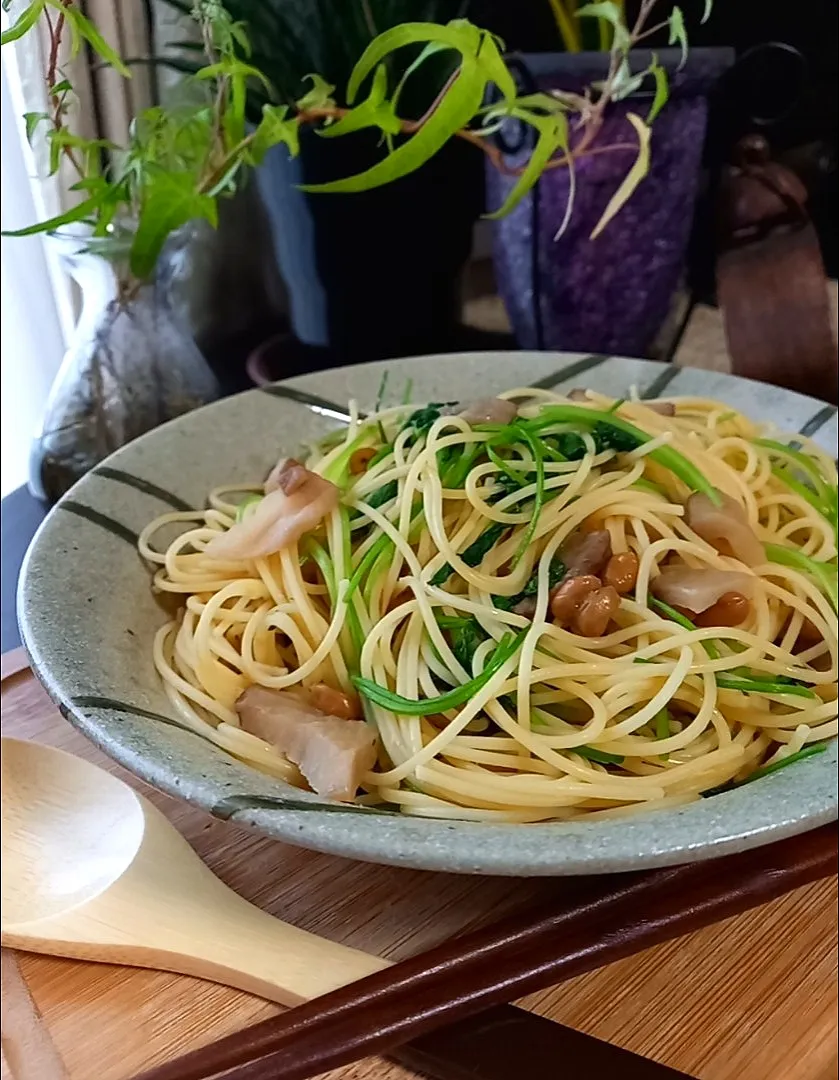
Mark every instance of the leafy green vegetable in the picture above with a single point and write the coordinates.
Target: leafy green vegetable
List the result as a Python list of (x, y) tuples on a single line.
[(507, 647), (423, 419), (600, 756), (750, 684), (383, 494), (666, 456), (380, 397), (377, 548), (556, 572), (464, 639), (823, 574), (739, 678), (661, 723), (539, 500), (766, 770), (326, 567), (801, 474), (473, 555), (458, 470), (681, 619), (800, 755)]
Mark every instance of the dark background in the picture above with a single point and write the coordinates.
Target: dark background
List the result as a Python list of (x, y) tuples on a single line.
[(788, 94)]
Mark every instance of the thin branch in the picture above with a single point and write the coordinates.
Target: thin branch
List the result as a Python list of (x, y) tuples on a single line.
[(56, 31)]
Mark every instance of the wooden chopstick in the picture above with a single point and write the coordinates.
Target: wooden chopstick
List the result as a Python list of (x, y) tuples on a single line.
[(608, 918)]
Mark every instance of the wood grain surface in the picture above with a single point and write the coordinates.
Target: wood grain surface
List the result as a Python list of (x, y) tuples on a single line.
[(753, 998)]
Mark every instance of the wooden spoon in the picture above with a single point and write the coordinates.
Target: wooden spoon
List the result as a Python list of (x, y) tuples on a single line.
[(92, 870)]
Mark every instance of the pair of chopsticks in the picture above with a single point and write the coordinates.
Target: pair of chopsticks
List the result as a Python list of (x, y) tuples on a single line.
[(607, 919)]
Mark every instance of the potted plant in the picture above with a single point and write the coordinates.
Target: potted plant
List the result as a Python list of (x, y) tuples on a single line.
[(611, 296), (132, 366), (377, 275)]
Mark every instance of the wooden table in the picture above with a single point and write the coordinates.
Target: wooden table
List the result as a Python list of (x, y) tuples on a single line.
[(753, 998)]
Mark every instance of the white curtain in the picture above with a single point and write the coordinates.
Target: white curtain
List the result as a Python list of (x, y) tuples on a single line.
[(37, 312), (38, 299)]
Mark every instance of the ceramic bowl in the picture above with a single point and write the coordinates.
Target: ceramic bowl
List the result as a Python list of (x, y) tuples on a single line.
[(88, 618)]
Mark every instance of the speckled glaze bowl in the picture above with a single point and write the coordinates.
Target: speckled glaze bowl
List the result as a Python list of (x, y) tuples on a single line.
[(88, 618)]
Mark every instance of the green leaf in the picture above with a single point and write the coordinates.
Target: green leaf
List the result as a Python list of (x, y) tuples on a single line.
[(239, 34), (229, 67), (494, 69), (32, 120), (625, 83), (592, 754), (431, 49), (376, 111), (83, 27), (465, 636), (556, 572), (83, 212), (274, 128), (748, 685), (661, 724), (666, 456), (63, 86), (678, 33), (454, 111), (553, 135), (662, 90), (824, 574), (383, 495), (473, 555), (535, 448), (458, 34), (319, 97), (611, 13), (169, 201), (632, 179), (706, 14), (800, 755), (28, 18), (685, 623), (507, 647)]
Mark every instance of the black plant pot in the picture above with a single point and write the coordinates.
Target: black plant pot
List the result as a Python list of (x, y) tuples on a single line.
[(376, 274)]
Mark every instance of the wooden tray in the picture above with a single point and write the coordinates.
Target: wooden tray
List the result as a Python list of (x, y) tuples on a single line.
[(753, 998)]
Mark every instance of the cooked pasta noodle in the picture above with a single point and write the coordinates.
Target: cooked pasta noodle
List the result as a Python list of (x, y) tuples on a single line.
[(438, 570)]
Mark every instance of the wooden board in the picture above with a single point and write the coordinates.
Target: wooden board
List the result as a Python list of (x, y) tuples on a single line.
[(753, 998)]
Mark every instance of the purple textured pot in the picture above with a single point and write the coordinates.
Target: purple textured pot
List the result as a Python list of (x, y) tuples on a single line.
[(610, 295)]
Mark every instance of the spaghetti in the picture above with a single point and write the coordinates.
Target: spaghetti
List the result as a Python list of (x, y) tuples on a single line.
[(433, 593)]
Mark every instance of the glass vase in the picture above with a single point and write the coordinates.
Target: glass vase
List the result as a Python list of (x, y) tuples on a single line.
[(131, 366)]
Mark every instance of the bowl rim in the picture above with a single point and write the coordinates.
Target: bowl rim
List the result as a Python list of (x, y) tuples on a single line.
[(779, 806)]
